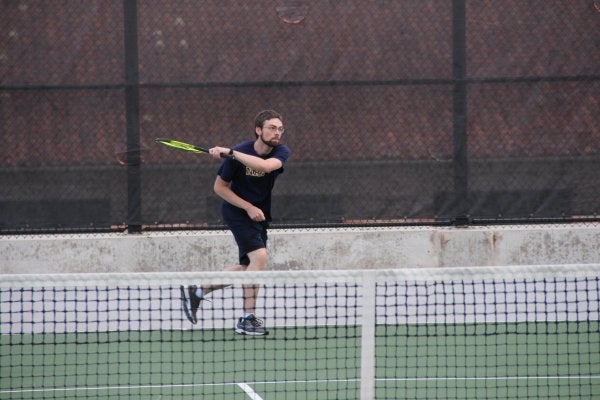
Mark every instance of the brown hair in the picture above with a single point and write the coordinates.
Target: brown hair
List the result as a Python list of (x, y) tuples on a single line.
[(265, 115)]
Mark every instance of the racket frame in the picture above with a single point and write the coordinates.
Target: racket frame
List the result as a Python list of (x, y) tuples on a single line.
[(178, 144)]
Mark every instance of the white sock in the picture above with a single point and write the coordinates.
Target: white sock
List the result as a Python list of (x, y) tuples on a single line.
[(246, 315), (199, 292)]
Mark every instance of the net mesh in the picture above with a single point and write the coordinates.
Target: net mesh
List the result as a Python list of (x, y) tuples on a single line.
[(452, 333)]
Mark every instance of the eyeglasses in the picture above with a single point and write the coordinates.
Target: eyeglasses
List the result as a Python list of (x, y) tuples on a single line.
[(274, 128)]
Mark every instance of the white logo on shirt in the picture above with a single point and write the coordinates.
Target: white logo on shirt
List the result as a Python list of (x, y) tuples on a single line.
[(252, 172)]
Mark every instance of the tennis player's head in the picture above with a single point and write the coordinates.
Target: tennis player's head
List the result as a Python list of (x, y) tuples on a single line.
[(268, 126)]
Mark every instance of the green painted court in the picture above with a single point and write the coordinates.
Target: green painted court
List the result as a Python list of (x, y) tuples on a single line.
[(463, 361)]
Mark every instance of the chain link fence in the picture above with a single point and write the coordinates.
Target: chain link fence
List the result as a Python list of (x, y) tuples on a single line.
[(397, 112)]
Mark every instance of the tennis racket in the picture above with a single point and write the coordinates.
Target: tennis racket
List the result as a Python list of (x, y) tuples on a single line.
[(186, 146)]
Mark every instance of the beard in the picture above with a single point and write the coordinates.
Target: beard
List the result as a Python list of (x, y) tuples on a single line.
[(270, 143)]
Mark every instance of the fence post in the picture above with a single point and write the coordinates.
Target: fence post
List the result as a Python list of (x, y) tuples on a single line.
[(132, 107), (459, 113)]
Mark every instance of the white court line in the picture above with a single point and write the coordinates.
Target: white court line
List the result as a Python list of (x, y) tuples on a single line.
[(245, 385), (492, 378), (250, 392)]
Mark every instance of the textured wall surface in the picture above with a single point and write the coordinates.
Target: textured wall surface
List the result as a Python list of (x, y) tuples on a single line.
[(305, 249)]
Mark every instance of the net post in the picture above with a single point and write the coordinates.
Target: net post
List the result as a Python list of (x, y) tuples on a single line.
[(367, 357)]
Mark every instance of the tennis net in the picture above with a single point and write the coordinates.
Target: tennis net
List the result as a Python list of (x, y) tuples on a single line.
[(453, 333)]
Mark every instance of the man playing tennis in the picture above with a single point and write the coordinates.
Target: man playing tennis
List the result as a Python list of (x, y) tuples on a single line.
[(245, 182)]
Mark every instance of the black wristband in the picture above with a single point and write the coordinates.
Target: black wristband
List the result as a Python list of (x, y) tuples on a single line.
[(230, 152)]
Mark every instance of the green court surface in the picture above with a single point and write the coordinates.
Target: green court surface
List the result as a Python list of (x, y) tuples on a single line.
[(466, 361)]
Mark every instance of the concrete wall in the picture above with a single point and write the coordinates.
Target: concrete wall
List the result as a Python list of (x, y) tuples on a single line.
[(348, 248)]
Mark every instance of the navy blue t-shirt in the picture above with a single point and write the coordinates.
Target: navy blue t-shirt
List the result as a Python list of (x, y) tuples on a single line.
[(252, 186)]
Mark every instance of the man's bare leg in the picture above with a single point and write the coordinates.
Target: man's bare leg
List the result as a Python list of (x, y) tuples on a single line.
[(258, 262), (248, 324), (206, 289)]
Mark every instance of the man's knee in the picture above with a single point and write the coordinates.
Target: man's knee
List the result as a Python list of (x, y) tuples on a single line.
[(258, 258)]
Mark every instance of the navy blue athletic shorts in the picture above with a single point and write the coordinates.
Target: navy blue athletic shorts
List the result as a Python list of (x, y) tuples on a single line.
[(249, 235)]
